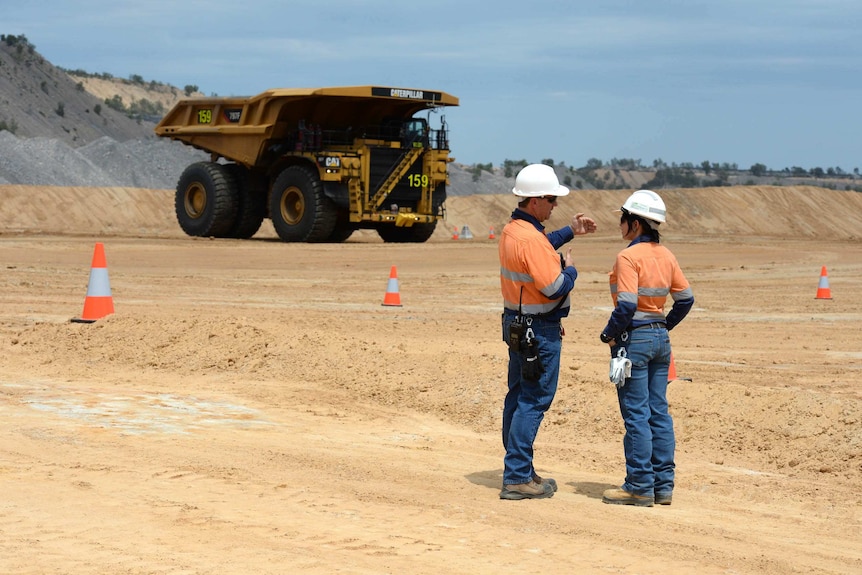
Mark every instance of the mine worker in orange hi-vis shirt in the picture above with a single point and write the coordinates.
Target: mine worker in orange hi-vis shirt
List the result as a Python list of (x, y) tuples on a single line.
[(535, 281), (644, 275)]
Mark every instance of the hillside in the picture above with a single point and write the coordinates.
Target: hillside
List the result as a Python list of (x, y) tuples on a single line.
[(40, 100), (161, 95)]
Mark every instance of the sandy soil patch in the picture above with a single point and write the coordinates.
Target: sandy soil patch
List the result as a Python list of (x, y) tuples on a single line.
[(251, 407)]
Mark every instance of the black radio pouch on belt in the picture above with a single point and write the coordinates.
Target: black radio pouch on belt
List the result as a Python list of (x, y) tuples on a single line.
[(531, 367), (522, 341), (516, 334)]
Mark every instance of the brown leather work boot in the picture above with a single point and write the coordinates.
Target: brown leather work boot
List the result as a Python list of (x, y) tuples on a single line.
[(531, 490), (550, 481), (623, 497)]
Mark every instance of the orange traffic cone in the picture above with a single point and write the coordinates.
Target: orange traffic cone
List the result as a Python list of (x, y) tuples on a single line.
[(823, 291), (392, 296), (671, 372), (491, 234), (455, 234), (99, 301)]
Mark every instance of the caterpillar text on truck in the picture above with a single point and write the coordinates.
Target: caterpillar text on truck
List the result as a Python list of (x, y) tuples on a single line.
[(320, 163)]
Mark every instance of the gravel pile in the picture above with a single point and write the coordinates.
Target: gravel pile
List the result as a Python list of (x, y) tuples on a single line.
[(154, 163)]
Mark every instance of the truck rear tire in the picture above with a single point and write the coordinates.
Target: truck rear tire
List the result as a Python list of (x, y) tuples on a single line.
[(417, 233), (251, 203), (206, 200), (298, 208)]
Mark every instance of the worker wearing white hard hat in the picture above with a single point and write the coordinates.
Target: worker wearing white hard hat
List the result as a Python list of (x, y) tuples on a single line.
[(535, 282), (537, 180), (646, 204), (644, 275)]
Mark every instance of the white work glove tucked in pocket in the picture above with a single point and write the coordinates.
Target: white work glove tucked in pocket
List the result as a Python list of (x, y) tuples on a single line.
[(620, 368)]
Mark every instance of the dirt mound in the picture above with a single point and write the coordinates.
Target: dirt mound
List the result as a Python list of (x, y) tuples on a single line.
[(769, 211), (791, 212)]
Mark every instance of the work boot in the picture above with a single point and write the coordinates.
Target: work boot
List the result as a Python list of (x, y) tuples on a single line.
[(544, 480), (663, 498), (623, 497), (531, 490)]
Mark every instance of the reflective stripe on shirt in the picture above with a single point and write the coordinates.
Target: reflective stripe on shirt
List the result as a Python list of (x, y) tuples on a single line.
[(529, 261)]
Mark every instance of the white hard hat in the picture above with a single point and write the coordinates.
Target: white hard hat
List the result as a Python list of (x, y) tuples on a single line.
[(646, 204), (538, 180)]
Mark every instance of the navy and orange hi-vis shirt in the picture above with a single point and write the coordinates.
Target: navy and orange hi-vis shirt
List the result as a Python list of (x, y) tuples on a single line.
[(644, 275), (528, 260)]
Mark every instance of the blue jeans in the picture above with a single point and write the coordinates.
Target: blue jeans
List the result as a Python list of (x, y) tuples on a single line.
[(527, 401), (649, 441)]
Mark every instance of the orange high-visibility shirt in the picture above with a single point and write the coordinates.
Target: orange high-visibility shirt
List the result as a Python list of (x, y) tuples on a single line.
[(529, 261), (643, 276)]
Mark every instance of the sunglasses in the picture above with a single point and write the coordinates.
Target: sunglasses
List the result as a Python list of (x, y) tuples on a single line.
[(550, 199)]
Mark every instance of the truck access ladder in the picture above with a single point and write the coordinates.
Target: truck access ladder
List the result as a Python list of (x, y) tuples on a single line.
[(395, 176)]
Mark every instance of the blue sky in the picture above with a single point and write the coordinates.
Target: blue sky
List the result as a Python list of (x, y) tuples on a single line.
[(777, 82)]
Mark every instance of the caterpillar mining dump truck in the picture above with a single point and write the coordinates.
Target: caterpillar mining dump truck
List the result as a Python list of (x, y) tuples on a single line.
[(320, 163)]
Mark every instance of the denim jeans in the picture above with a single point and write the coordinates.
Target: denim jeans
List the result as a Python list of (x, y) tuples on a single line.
[(649, 441), (527, 401)]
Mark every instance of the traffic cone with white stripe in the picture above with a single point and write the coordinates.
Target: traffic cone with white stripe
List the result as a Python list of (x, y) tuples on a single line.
[(671, 372), (99, 301), (823, 291), (392, 296)]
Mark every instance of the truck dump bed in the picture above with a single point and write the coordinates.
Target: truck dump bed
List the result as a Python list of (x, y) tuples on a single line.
[(242, 129)]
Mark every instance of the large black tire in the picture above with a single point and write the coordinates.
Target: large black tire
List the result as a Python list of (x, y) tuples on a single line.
[(206, 200), (343, 228), (251, 203), (417, 233), (299, 210), (340, 234)]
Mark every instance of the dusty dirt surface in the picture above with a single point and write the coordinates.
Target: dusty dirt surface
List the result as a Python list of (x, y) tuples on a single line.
[(251, 407)]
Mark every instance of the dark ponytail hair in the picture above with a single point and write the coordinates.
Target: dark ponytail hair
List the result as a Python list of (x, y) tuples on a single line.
[(647, 228)]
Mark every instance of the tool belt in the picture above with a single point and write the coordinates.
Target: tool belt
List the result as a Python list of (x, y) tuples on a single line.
[(522, 340), (655, 324)]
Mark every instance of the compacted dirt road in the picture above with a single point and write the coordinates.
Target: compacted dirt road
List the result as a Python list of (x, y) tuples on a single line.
[(251, 407)]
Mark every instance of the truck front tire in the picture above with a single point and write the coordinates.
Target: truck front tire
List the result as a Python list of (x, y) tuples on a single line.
[(298, 208)]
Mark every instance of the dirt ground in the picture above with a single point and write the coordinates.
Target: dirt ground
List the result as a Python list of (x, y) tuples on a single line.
[(251, 407)]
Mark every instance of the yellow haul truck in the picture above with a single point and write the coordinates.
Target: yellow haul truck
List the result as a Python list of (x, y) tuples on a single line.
[(320, 163)]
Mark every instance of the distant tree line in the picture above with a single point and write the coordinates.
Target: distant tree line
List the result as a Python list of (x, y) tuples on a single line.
[(607, 175)]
